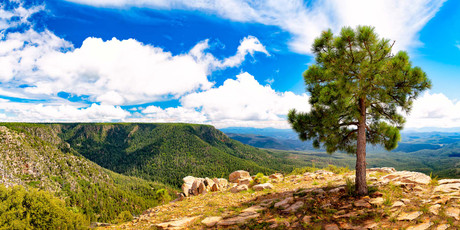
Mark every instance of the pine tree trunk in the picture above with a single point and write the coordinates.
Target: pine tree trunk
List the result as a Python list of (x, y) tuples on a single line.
[(361, 186)]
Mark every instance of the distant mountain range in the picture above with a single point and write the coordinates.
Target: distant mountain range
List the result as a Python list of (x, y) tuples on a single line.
[(437, 152)]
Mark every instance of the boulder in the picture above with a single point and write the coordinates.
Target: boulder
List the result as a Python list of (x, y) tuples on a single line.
[(406, 177), (198, 187), (261, 187), (215, 188), (276, 176), (223, 183), (189, 179), (245, 181), (237, 175), (239, 188), (186, 189), (194, 188), (208, 183), (202, 188)]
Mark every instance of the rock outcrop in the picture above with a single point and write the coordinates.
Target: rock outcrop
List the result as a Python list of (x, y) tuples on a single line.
[(320, 200), (196, 186), (236, 176)]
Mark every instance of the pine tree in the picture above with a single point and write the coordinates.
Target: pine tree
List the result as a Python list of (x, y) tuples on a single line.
[(358, 88)]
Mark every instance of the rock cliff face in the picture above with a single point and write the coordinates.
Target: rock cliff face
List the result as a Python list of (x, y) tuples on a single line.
[(318, 200)]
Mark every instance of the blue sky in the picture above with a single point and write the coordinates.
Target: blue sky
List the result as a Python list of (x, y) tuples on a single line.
[(225, 63)]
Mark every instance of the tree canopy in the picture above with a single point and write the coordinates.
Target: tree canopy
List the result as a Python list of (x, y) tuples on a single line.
[(357, 86)]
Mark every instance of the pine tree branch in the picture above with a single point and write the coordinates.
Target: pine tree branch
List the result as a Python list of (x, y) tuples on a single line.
[(381, 111)]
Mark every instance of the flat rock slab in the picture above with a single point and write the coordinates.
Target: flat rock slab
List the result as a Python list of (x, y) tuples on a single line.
[(362, 204), (255, 208), (434, 209), (453, 212), (377, 201), (442, 227), (261, 187), (210, 221), (331, 227), (422, 226), (284, 203), (449, 181), (293, 208), (241, 219), (239, 188), (409, 216), (383, 170), (408, 177), (447, 188), (398, 204), (177, 224)]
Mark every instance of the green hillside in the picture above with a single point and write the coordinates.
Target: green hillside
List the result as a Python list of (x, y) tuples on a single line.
[(34, 156), (168, 152)]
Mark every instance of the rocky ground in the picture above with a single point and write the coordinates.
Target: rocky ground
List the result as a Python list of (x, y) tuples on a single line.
[(318, 200)]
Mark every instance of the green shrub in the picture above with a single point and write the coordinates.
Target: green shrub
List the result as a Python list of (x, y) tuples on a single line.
[(34, 209), (259, 179), (124, 216), (163, 195)]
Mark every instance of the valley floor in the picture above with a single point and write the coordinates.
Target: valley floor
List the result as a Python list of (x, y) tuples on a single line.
[(320, 200)]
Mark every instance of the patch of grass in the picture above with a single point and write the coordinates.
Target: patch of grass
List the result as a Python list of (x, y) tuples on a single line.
[(434, 180), (350, 187), (391, 193), (424, 208)]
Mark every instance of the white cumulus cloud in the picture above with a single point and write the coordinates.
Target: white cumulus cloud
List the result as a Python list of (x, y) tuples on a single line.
[(434, 110), (244, 101), (394, 19), (60, 112), (116, 72)]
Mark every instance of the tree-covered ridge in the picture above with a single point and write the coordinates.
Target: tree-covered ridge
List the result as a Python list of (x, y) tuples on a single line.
[(33, 155), (168, 152)]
